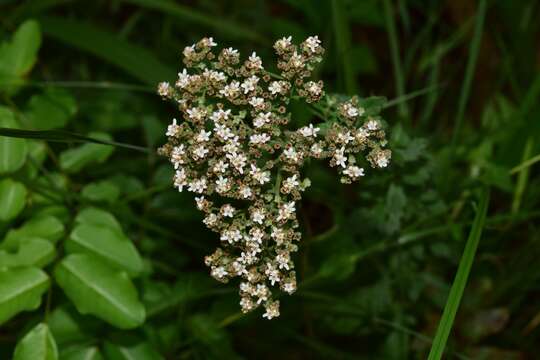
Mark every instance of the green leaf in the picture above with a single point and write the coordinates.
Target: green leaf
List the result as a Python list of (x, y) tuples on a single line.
[(81, 353), (107, 244), (38, 344), (37, 153), (98, 289), (133, 59), (45, 227), (458, 287), (130, 350), (12, 199), (21, 290), (52, 109), (31, 252), (74, 160), (102, 191), (98, 217), (68, 326), (12, 151), (18, 56)]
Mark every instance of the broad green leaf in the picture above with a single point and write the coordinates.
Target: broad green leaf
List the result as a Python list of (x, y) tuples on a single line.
[(45, 227), (69, 327), (81, 353), (21, 290), (38, 344), (140, 350), (133, 59), (18, 56), (74, 160), (101, 191), (12, 199), (108, 244), (52, 109), (96, 288), (98, 217), (37, 153), (31, 252), (12, 151)]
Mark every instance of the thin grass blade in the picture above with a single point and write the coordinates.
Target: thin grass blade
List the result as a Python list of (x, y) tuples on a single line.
[(469, 72), (64, 136), (462, 275)]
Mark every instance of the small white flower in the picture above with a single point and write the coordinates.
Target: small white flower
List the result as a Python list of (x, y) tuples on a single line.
[(188, 51), (200, 152), (172, 130), (275, 87), (316, 149), (314, 89), (309, 131), (195, 114), (284, 43), (283, 260), (209, 42), (262, 119), (272, 310), (231, 51), (210, 220), (164, 89), (354, 171), (344, 137), (372, 125), (286, 210), (197, 186), (291, 182), (245, 192), (262, 177), (220, 115), (222, 184), (255, 61), (256, 102), (289, 287), (250, 83), (220, 167), (183, 79), (340, 158), (296, 61), (258, 216), (291, 154), (203, 136), (259, 138), (223, 132), (313, 43), (219, 272), (231, 90), (238, 161), (227, 210), (177, 155), (200, 200), (180, 179)]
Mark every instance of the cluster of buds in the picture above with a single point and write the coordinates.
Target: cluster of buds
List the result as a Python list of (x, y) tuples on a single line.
[(234, 149)]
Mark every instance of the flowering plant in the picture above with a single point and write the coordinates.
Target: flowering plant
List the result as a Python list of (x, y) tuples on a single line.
[(236, 150)]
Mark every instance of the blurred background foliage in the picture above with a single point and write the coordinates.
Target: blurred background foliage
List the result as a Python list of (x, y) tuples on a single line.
[(102, 259)]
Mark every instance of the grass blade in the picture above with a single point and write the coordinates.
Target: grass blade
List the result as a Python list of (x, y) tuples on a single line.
[(343, 46), (63, 136), (412, 95), (469, 72), (133, 59), (187, 14), (396, 61), (458, 287)]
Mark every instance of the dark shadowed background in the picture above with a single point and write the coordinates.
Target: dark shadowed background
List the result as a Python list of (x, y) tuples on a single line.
[(378, 258)]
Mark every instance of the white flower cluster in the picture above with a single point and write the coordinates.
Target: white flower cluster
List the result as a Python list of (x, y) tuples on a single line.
[(232, 150)]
